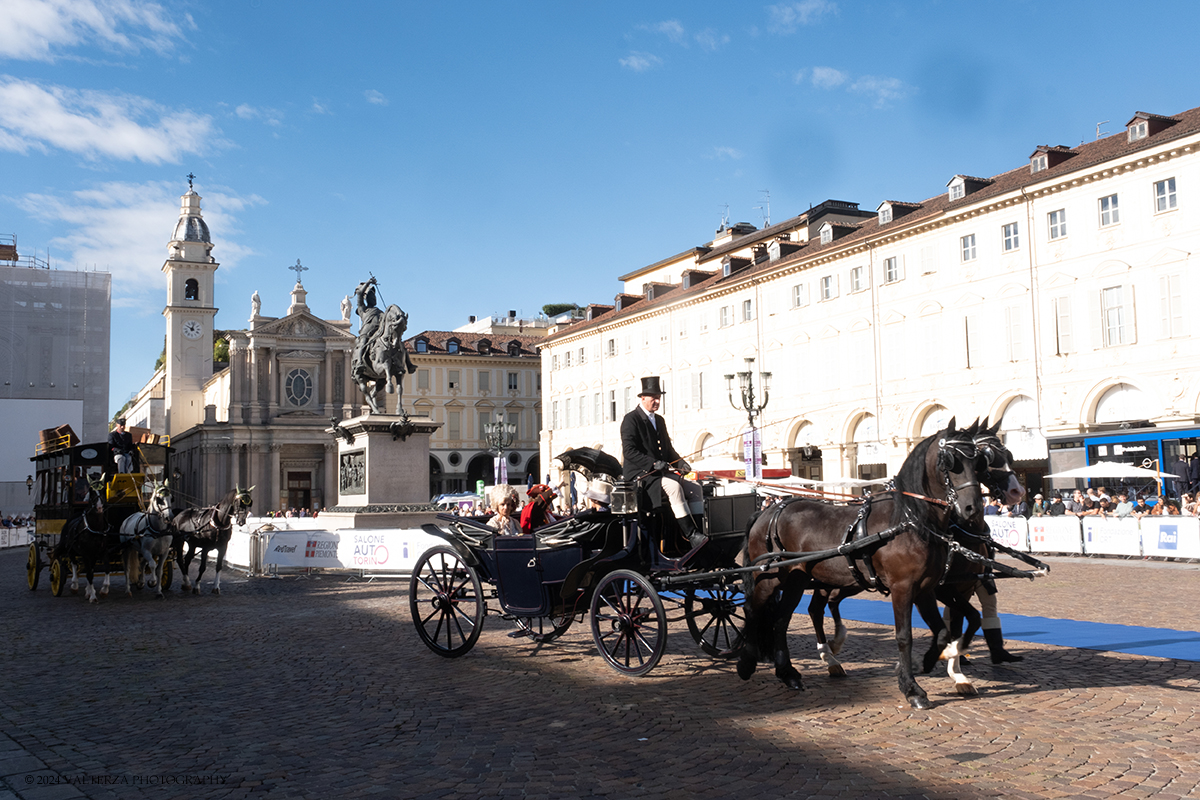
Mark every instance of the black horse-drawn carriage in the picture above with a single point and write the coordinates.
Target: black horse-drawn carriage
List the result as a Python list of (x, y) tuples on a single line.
[(926, 541), (77, 485), (616, 567)]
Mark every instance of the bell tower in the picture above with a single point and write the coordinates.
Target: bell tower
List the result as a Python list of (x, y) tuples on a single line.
[(189, 312)]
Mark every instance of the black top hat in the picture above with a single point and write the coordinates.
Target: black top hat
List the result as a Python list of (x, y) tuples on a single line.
[(650, 386)]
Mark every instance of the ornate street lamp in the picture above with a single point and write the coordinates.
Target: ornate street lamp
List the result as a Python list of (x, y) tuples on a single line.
[(500, 436), (748, 404), (29, 484)]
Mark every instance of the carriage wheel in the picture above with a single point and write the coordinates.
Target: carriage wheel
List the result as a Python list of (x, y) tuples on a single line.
[(59, 570), (543, 629), (446, 601), (629, 625), (33, 567), (715, 619), (168, 574)]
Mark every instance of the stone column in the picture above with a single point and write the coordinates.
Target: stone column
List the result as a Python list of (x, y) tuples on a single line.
[(330, 490), (273, 379), (348, 387), (273, 478), (237, 398), (255, 407)]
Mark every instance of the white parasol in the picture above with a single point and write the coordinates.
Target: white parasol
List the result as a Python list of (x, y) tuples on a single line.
[(1111, 469)]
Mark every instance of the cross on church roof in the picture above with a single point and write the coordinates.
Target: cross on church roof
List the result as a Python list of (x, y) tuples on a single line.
[(190, 178), (298, 269)]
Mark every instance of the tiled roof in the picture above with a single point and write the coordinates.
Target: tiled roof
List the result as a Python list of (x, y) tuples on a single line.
[(468, 343)]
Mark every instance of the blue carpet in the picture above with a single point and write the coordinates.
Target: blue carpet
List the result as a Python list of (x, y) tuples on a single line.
[(1156, 642)]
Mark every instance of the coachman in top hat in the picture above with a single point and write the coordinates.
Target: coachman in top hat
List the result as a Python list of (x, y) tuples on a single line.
[(646, 448)]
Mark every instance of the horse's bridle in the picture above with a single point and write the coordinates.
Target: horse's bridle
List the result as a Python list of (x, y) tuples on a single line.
[(962, 450)]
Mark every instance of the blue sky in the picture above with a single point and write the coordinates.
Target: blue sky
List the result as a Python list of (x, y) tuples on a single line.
[(481, 157)]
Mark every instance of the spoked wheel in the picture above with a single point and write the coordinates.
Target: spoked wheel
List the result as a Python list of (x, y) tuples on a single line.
[(33, 566), (629, 625), (168, 574), (446, 601), (59, 569), (715, 619), (542, 629)]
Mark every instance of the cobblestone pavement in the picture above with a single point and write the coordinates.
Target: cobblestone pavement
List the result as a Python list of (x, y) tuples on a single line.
[(320, 688)]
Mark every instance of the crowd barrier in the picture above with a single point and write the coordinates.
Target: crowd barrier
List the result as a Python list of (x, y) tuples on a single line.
[(265, 547), (15, 537), (1163, 537)]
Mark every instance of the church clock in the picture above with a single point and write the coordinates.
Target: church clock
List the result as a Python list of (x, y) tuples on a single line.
[(192, 329)]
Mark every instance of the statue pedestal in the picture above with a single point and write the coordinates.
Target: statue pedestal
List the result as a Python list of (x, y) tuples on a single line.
[(383, 466)]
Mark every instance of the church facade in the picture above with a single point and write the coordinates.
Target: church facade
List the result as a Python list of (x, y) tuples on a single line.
[(261, 418)]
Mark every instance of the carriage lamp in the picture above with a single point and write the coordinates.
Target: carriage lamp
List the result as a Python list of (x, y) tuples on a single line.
[(29, 484), (749, 404)]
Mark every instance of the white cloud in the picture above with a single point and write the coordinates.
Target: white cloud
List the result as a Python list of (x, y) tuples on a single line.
[(787, 17), (721, 153), (640, 62), (711, 40), (375, 98), (98, 124), (34, 29), (270, 116), (827, 77), (670, 28), (883, 90), (319, 107), (124, 228)]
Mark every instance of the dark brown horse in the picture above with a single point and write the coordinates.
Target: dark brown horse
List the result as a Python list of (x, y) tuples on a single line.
[(86, 540), (206, 529), (895, 543)]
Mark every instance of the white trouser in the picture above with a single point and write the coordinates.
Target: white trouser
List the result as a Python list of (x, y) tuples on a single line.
[(684, 497)]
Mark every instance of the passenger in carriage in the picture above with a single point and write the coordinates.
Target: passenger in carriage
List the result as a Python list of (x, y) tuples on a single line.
[(598, 498), (646, 448), (505, 500), (537, 513), (120, 445)]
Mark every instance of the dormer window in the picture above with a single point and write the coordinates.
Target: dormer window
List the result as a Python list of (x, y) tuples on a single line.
[(485, 346), (452, 346), (514, 348), (957, 190), (826, 233), (1038, 163), (1139, 130), (885, 215), (422, 345)]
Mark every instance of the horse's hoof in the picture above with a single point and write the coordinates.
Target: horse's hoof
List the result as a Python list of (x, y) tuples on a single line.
[(965, 689), (837, 671), (216, 590), (746, 667), (791, 679), (159, 596), (920, 702), (196, 589), (74, 590)]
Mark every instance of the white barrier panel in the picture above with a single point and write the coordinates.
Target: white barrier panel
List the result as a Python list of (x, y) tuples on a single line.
[(1171, 537), (1110, 536), (1055, 535), (1010, 531), (387, 550), (15, 537), (238, 551)]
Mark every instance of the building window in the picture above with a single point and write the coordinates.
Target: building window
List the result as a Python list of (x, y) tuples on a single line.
[(829, 287), (664, 332), (645, 336), (799, 295), (725, 315), (191, 289), (452, 346), (1012, 236), (596, 409), (297, 387), (554, 416), (1164, 195), (683, 327), (628, 394), (553, 363), (611, 347), (1058, 223), (567, 359), (967, 246), (1138, 130), (423, 379), (1171, 289), (885, 215), (1062, 326), (514, 379), (422, 346), (1109, 212), (1112, 316), (514, 349), (826, 234), (957, 191), (454, 425), (929, 259), (891, 270), (1014, 330), (612, 405), (1038, 164), (485, 380), (567, 406), (583, 355), (583, 418), (485, 346), (747, 310), (453, 379), (856, 279)]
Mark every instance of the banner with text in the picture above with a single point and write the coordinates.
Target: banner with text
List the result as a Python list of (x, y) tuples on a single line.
[(1110, 536), (1054, 535), (1171, 537), (1010, 531)]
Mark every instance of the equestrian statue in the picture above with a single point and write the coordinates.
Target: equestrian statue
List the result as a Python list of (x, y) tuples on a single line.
[(379, 353)]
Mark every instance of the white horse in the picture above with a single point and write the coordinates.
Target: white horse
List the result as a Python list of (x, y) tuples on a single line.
[(149, 536)]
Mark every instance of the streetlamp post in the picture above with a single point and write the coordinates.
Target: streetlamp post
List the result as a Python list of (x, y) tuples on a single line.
[(748, 404), (500, 436)]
